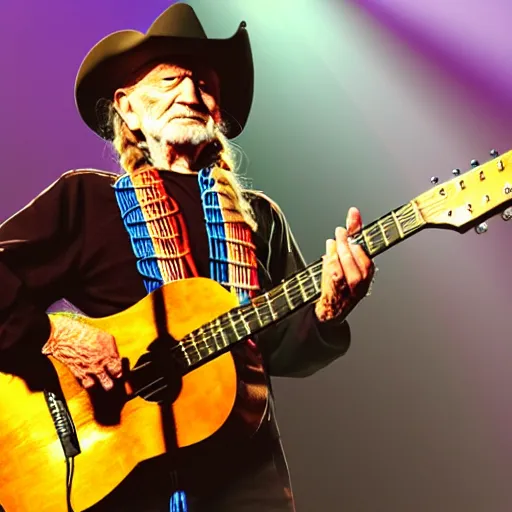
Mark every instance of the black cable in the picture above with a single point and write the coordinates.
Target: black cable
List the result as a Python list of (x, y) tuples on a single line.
[(70, 469), (66, 431)]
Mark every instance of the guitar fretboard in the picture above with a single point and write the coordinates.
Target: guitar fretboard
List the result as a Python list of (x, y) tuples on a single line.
[(298, 290), (390, 229)]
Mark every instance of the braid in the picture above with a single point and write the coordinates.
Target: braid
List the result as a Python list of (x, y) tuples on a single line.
[(226, 164)]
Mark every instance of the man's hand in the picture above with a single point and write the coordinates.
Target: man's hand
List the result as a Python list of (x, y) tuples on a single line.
[(347, 272), (87, 351)]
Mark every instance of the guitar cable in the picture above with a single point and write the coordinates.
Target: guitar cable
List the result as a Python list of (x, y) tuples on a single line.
[(70, 469), (66, 432)]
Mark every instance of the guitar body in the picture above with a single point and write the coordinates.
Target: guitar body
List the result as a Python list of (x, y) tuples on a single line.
[(32, 464)]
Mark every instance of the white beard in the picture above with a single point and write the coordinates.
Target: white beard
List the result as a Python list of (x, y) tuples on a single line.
[(188, 132)]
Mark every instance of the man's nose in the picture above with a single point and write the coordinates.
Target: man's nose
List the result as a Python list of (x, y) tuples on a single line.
[(189, 92)]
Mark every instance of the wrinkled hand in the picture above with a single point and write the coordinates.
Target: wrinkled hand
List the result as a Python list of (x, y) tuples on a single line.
[(86, 351), (347, 272)]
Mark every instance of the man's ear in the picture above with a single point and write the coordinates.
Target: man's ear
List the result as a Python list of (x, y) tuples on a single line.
[(125, 110)]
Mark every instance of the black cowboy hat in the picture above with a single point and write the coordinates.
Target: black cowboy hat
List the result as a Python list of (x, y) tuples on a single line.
[(176, 32)]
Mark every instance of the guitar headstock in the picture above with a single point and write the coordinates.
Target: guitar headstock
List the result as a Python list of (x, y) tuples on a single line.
[(469, 199)]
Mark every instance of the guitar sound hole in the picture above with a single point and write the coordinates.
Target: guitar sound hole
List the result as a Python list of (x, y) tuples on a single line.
[(156, 377)]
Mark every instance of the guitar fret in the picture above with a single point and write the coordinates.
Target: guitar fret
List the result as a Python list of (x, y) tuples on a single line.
[(367, 241), (261, 305), (374, 235), (416, 210), (383, 231), (250, 317), (301, 288), (208, 346), (287, 297), (183, 346), (225, 342), (215, 333), (244, 321), (313, 279), (235, 324), (397, 224), (232, 324), (280, 303), (392, 231), (269, 302), (258, 317), (200, 334), (197, 344)]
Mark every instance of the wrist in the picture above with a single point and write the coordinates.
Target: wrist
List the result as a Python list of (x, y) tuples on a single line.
[(332, 331), (328, 316)]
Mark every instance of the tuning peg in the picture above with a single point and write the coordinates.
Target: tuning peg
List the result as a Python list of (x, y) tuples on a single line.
[(494, 153), (456, 172), (434, 180), (482, 228), (474, 163), (507, 214)]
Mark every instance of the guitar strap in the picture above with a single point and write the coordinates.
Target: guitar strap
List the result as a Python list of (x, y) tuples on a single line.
[(160, 240), (161, 243)]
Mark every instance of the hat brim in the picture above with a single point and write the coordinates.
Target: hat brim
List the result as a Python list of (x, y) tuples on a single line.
[(114, 60)]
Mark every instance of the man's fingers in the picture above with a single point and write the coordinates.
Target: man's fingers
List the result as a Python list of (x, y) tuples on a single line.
[(87, 381), (346, 271), (331, 271), (106, 382), (349, 265), (354, 221), (115, 368), (354, 225), (363, 262), (330, 248)]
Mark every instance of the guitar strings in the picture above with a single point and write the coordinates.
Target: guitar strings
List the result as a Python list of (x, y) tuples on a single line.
[(238, 315), (191, 348), (188, 346), (205, 341), (212, 328)]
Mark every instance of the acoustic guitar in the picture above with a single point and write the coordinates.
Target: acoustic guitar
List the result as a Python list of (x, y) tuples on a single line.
[(176, 350)]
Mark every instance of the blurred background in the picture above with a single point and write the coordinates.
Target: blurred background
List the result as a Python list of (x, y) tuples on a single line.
[(357, 102)]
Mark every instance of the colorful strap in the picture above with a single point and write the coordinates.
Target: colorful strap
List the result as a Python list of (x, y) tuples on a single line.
[(160, 241), (232, 254), (156, 228)]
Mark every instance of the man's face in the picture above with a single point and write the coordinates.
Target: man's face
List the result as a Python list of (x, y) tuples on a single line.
[(174, 103)]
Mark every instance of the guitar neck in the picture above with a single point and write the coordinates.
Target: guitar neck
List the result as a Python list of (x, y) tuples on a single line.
[(389, 230), (295, 292)]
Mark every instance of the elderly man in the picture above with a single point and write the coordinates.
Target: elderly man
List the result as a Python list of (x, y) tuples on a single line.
[(169, 101)]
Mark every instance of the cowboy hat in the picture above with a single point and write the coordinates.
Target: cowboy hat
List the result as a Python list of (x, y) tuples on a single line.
[(176, 32)]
